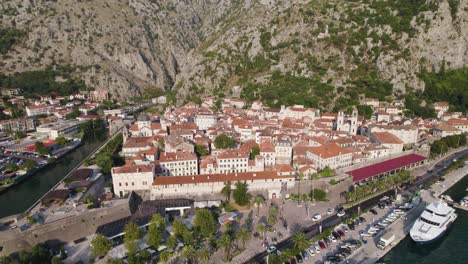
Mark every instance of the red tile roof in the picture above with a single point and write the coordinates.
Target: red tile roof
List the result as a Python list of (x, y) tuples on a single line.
[(133, 169), (328, 150), (385, 166), (176, 156), (386, 138)]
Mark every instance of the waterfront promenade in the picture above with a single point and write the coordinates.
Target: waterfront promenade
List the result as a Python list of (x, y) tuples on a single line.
[(369, 253)]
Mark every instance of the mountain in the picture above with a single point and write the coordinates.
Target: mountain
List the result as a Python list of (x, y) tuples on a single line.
[(275, 50)]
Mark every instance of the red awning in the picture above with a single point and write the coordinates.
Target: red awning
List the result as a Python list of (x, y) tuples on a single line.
[(385, 166)]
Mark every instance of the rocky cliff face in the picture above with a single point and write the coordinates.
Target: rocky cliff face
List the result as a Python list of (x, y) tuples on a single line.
[(209, 46)]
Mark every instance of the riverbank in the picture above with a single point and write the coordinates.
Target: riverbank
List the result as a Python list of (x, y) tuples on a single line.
[(20, 179), (22, 196), (370, 254)]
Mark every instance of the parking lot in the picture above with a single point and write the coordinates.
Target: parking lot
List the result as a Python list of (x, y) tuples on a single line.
[(347, 239), (19, 159)]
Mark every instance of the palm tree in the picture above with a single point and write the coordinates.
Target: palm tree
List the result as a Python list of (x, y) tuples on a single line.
[(226, 243), (243, 235), (189, 253), (300, 241), (259, 200), (226, 191), (165, 256), (261, 228), (203, 255)]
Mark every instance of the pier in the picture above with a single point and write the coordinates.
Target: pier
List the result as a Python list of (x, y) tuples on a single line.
[(370, 254)]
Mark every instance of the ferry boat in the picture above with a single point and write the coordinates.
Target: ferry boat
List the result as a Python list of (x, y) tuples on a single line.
[(433, 222)]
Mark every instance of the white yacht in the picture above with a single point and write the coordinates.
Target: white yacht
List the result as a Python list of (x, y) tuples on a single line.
[(433, 222), (464, 201)]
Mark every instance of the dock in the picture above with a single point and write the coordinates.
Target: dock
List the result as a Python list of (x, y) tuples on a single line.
[(370, 254)]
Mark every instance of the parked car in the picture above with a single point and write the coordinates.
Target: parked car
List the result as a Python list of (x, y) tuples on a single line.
[(317, 217), (271, 249), (340, 232), (330, 211), (322, 244), (341, 213), (336, 235)]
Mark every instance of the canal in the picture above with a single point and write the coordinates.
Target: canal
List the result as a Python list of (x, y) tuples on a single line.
[(22, 196)]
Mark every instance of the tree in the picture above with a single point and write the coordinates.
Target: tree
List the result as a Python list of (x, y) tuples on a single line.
[(29, 165), (259, 200), (318, 195), (300, 241), (11, 167), (61, 140), (100, 245), (105, 162), (227, 189), (203, 255), (204, 222), (200, 150), (243, 235), (56, 260), (224, 142), (114, 261), (165, 256), (254, 152), (273, 259), (40, 148), (156, 231), (171, 242), (225, 242), (261, 228), (327, 172), (241, 195), (365, 110), (272, 215), (132, 233), (189, 253)]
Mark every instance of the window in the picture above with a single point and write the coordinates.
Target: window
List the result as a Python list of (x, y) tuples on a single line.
[(120, 184), (126, 184), (133, 184)]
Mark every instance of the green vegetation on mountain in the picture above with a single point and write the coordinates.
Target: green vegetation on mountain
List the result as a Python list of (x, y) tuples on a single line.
[(44, 82), (8, 38)]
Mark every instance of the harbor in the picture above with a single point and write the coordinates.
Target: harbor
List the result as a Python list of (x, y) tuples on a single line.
[(370, 253)]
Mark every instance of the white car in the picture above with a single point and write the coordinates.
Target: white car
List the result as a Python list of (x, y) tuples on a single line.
[(312, 251), (332, 238), (341, 213), (271, 249), (317, 217), (317, 247), (345, 228), (330, 211)]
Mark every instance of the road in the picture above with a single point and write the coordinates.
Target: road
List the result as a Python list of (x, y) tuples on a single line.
[(334, 220)]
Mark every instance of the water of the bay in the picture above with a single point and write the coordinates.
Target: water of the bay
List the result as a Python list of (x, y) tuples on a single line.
[(22, 196), (451, 248)]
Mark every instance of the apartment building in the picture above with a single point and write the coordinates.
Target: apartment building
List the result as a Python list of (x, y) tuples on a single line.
[(233, 160), (178, 164), (388, 140), (18, 124), (60, 128), (204, 121)]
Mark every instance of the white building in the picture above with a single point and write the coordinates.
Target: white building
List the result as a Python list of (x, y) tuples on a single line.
[(33, 110), (233, 160), (330, 155), (283, 150), (374, 103), (132, 178), (178, 163), (267, 150), (204, 121), (348, 123), (60, 128), (298, 112), (441, 108)]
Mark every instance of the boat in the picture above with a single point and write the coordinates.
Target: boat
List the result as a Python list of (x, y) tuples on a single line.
[(447, 198), (433, 222), (464, 201)]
